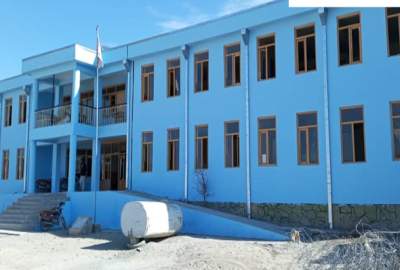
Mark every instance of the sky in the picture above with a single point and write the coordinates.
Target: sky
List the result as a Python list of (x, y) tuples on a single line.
[(29, 27)]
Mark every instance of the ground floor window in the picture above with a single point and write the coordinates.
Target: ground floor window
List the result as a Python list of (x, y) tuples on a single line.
[(201, 150), (173, 149), (352, 131), (395, 109), (6, 164), (20, 163), (266, 141), (307, 138), (147, 151), (232, 144)]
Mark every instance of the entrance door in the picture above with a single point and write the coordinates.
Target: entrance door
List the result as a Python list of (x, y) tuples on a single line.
[(113, 166)]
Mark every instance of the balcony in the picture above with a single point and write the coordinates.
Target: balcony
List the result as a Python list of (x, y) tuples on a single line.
[(112, 115), (53, 116), (87, 115)]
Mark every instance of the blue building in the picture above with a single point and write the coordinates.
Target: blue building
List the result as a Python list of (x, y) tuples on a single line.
[(291, 115)]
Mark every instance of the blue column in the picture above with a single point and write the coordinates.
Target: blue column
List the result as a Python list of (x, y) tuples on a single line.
[(73, 143), (32, 144), (54, 175), (95, 165)]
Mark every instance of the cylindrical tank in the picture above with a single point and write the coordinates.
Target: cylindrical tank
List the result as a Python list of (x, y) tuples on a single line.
[(148, 219)]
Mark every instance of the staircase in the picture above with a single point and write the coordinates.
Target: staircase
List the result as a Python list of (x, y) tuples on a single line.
[(23, 215)]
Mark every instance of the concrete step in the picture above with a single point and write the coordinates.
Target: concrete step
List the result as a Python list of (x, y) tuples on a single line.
[(18, 227)]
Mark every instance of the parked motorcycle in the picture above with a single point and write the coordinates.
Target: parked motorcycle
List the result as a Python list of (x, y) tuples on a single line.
[(52, 217)]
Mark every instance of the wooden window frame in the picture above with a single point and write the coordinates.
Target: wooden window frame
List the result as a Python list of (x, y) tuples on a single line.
[(349, 29), (22, 110), (387, 30), (175, 167), (352, 124), (5, 172), (20, 164), (266, 47), (177, 89), (225, 139), (307, 130), (8, 104), (149, 160), (266, 131), (201, 139), (201, 62), (116, 92), (392, 117), (146, 75), (304, 39), (234, 55)]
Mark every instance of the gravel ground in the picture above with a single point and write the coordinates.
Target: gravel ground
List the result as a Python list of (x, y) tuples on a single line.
[(107, 250)]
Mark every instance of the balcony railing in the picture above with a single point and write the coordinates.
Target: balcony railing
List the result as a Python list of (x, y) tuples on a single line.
[(87, 115), (112, 115), (53, 116)]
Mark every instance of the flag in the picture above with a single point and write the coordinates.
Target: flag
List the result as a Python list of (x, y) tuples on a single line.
[(99, 56)]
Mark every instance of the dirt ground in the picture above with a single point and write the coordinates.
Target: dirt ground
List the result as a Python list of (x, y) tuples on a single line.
[(107, 250)]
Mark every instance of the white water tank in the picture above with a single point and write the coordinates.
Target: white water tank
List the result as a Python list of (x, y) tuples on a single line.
[(148, 219)]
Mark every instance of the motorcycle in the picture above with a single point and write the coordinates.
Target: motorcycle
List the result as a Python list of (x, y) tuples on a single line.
[(52, 217)]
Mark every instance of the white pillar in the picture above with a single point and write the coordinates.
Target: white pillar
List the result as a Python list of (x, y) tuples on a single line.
[(75, 97), (32, 144), (54, 173), (73, 143)]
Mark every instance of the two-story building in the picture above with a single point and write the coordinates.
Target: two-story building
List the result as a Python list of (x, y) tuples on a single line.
[(290, 115)]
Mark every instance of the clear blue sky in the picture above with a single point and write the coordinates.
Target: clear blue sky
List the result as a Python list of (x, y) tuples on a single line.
[(29, 27)]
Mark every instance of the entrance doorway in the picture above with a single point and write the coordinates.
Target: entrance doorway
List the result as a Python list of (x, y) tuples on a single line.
[(113, 165)]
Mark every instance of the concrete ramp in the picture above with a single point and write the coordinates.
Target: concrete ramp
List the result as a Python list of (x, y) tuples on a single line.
[(196, 220)]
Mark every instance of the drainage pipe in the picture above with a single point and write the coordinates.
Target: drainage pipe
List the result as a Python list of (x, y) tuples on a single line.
[(185, 52), (323, 13)]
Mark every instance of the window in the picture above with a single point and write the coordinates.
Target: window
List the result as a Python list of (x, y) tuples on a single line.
[(201, 147), (232, 158), (266, 57), (147, 151), (147, 82), (6, 164), (352, 129), (173, 149), (20, 163), (307, 138), (349, 35), (266, 141), (305, 49), (393, 30), (174, 77), (113, 96), (396, 129), (232, 65), (8, 112), (201, 72), (22, 109)]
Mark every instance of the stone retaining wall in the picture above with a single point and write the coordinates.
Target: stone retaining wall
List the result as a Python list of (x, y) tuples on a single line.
[(316, 215)]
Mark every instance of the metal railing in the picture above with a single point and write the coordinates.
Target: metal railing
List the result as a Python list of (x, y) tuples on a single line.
[(112, 115), (53, 116), (87, 115)]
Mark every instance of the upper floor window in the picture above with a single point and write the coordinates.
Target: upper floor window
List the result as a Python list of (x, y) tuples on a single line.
[(307, 138), (6, 164), (395, 109), (174, 77), (147, 82), (393, 30), (349, 35), (147, 151), (266, 57), (201, 144), (173, 149), (22, 109), (266, 141), (352, 129), (232, 144), (201, 72), (20, 163), (8, 112), (232, 65), (112, 96), (305, 49)]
